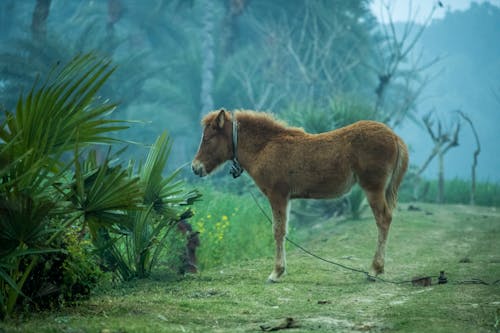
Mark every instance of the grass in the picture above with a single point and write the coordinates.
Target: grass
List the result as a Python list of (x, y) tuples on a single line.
[(462, 240), (230, 229), (458, 191)]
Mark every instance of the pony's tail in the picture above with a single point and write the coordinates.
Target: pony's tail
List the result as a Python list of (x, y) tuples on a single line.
[(391, 192)]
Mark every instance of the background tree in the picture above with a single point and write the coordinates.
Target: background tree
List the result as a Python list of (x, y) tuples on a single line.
[(287, 57), (444, 140), (475, 155), (398, 66), (208, 56), (39, 20)]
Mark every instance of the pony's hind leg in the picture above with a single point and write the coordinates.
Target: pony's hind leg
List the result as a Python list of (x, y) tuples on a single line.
[(280, 206), (383, 217)]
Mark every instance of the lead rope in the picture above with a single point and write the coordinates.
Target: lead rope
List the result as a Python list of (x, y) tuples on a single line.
[(422, 281), (369, 276), (236, 168)]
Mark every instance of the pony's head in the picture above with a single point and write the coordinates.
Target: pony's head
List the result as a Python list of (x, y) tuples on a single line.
[(216, 143)]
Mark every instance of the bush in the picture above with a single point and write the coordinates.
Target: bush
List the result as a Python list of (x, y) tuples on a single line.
[(340, 111), (65, 276), (35, 154), (131, 242), (48, 189)]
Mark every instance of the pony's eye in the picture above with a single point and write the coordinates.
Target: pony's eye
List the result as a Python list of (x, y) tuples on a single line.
[(208, 137)]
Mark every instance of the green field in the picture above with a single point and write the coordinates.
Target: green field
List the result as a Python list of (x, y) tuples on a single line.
[(461, 240)]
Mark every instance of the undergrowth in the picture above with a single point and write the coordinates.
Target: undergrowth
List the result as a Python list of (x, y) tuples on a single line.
[(231, 228)]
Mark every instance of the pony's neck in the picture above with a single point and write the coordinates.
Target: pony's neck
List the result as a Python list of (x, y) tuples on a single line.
[(255, 131)]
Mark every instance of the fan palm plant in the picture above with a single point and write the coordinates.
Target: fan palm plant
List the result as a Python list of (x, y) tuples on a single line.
[(55, 117), (46, 185), (166, 198), (134, 245), (104, 194)]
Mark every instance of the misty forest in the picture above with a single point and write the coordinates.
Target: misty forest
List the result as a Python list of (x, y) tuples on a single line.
[(104, 227)]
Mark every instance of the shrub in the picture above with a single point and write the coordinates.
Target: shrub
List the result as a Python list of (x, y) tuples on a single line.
[(339, 112), (131, 241), (64, 276), (51, 121), (47, 189)]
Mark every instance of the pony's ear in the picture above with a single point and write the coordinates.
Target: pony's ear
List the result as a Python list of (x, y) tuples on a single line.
[(221, 118)]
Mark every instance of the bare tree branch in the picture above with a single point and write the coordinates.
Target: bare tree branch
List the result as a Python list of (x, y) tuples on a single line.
[(399, 47), (428, 125), (443, 142), (454, 142)]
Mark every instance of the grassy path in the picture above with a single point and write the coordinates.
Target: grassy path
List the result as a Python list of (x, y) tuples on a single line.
[(463, 241)]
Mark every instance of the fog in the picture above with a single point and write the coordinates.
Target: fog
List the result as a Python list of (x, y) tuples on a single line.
[(304, 61)]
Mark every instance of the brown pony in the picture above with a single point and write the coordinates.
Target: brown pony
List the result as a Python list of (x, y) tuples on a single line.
[(288, 163)]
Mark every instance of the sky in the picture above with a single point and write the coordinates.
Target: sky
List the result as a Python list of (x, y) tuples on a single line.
[(419, 9)]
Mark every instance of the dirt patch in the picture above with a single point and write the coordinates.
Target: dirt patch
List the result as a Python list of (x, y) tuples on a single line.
[(325, 323)]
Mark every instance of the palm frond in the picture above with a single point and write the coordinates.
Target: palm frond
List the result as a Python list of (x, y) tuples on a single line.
[(65, 110), (104, 192), (23, 220), (164, 193)]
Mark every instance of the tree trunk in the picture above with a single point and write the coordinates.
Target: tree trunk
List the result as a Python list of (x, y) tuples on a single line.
[(477, 151), (39, 19), (473, 184), (208, 57), (234, 9), (116, 10), (440, 194), (6, 18)]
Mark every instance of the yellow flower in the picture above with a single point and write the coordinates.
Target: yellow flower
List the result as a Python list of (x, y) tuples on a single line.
[(224, 218), (200, 226)]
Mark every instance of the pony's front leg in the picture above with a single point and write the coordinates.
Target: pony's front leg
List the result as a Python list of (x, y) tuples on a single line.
[(280, 206)]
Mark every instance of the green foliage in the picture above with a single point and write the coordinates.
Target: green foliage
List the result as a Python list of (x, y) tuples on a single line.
[(349, 109), (43, 200), (496, 325), (231, 228), (458, 191), (81, 272), (131, 241), (357, 202), (63, 276), (103, 192), (50, 121), (341, 111), (313, 120)]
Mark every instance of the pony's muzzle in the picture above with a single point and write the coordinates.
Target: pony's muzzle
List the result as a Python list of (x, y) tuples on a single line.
[(198, 168)]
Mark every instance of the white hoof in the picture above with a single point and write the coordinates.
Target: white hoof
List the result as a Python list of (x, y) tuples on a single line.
[(275, 277)]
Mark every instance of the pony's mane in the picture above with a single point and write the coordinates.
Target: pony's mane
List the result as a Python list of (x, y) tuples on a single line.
[(267, 121), (264, 120)]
